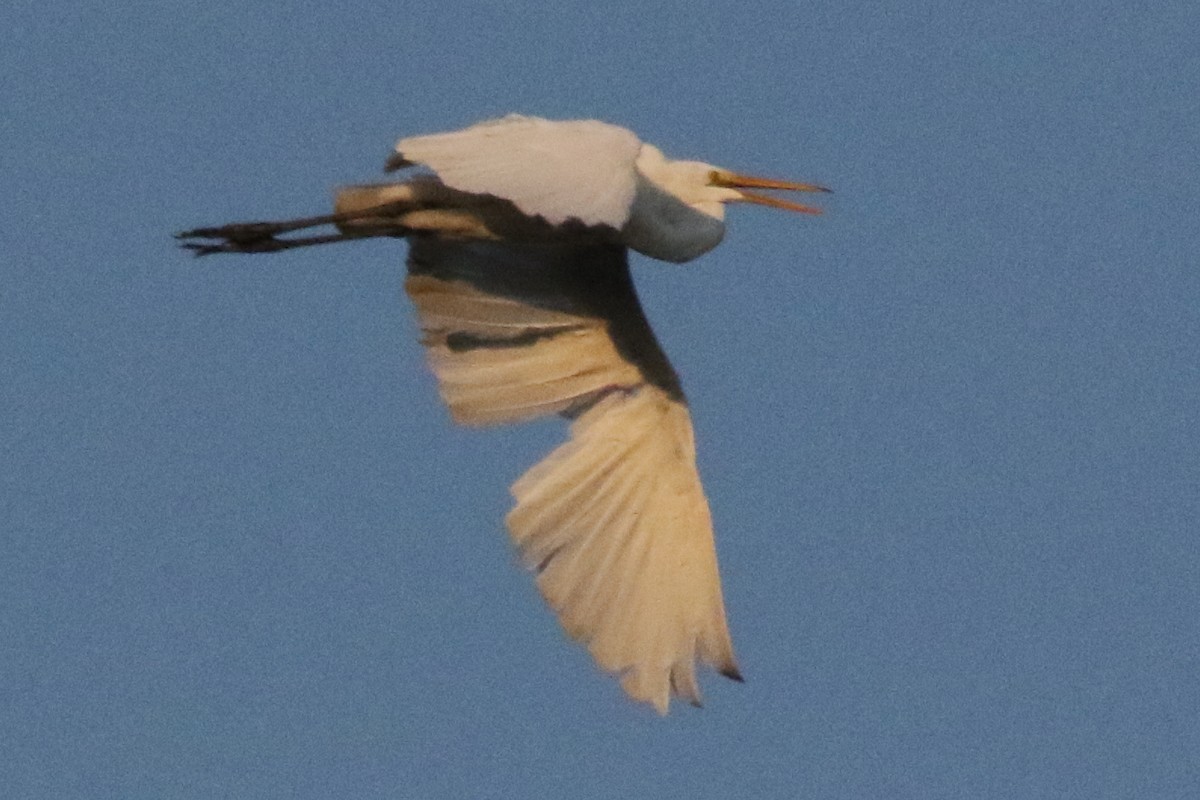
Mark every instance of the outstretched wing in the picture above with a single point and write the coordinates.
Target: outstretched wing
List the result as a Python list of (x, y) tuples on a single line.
[(614, 521), (557, 170)]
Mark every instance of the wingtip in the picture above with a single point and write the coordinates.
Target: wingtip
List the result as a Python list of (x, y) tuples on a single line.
[(733, 673)]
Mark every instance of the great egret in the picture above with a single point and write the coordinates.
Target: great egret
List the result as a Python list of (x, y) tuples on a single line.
[(517, 266)]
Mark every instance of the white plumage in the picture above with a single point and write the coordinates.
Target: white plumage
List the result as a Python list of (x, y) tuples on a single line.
[(521, 159), (518, 270)]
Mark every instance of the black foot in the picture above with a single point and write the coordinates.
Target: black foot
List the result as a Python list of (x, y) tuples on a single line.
[(240, 241), (240, 237), (237, 231), (262, 237), (267, 245)]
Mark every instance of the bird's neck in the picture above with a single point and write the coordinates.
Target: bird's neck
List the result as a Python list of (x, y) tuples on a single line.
[(662, 226)]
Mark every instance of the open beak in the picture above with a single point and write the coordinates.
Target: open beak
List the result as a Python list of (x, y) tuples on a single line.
[(732, 180)]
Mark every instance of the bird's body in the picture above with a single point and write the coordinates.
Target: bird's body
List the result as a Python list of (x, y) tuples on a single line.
[(518, 271)]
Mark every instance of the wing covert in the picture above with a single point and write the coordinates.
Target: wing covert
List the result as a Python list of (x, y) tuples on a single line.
[(557, 170)]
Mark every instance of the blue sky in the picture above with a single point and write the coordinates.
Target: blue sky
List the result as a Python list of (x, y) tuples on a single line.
[(948, 430)]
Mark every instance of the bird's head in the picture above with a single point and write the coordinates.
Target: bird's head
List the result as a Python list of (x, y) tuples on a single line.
[(707, 188), (678, 211)]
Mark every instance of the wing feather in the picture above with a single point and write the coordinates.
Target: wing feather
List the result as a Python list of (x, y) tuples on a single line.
[(665, 610), (540, 165), (614, 521)]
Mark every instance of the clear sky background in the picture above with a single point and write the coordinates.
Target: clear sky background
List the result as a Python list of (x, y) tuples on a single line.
[(949, 430)]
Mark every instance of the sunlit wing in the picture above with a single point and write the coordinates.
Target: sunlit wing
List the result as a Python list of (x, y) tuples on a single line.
[(581, 169), (614, 522)]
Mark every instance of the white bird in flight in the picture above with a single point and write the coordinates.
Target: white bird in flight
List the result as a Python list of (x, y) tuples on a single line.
[(518, 269)]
